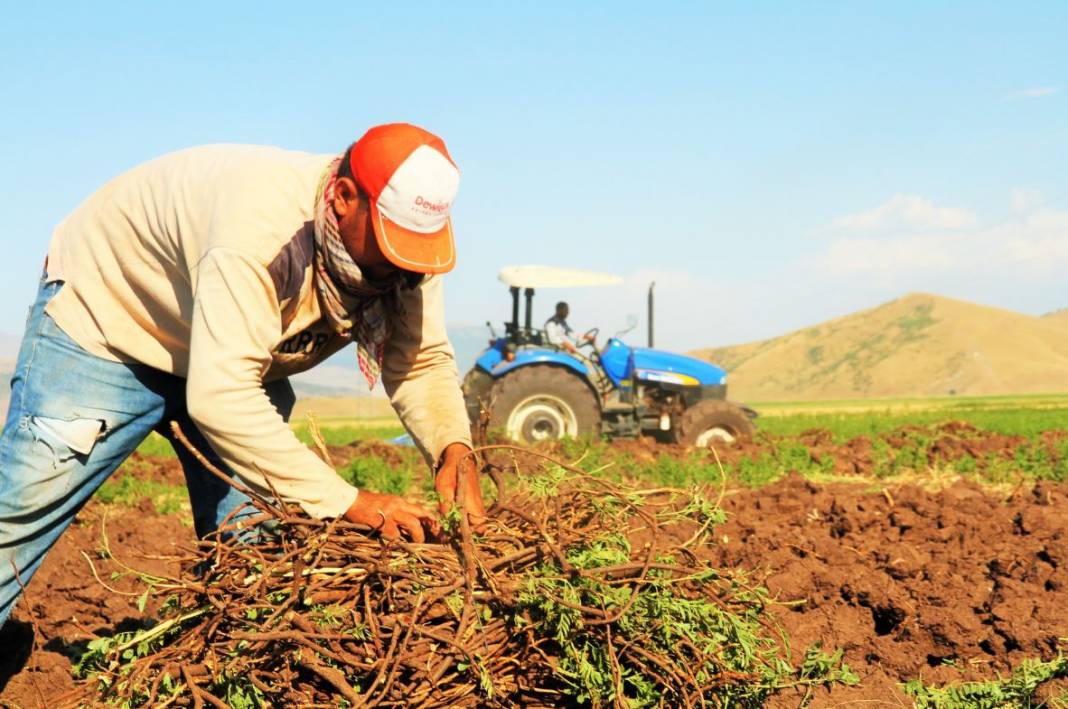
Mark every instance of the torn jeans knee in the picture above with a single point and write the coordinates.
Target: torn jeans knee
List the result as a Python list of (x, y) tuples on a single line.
[(66, 438)]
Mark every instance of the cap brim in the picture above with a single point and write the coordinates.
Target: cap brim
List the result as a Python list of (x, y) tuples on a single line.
[(412, 250)]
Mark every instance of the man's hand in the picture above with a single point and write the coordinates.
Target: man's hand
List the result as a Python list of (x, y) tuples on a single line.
[(447, 484), (392, 516)]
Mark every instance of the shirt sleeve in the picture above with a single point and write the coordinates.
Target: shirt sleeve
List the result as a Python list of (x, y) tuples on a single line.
[(420, 376), (235, 323), (554, 333), (558, 333)]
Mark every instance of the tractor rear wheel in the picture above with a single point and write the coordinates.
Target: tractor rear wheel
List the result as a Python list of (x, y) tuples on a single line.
[(712, 421), (476, 388), (543, 403)]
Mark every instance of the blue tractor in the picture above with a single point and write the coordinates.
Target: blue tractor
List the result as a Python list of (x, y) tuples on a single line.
[(533, 391)]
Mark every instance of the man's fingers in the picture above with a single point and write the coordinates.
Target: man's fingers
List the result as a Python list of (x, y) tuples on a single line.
[(446, 498), (401, 525), (416, 520), (476, 509), (411, 526), (472, 491), (389, 529), (418, 511), (445, 483), (392, 516), (433, 526), (458, 486)]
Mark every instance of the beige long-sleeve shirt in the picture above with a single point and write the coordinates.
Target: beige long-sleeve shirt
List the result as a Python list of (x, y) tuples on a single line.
[(199, 263)]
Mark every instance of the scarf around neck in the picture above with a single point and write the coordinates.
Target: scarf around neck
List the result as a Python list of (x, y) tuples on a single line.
[(356, 307)]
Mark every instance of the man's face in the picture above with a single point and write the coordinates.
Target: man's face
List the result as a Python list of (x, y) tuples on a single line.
[(354, 214), (563, 312)]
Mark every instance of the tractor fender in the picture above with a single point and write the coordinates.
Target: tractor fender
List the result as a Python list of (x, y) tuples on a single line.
[(528, 357), (747, 410)]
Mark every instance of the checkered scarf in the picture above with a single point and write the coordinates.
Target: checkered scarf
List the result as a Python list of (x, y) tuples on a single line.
[(355, 306)]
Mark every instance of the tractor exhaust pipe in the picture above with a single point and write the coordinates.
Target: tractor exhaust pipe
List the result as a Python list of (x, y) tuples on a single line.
[(651, 286), (529, 293), (515, 310)]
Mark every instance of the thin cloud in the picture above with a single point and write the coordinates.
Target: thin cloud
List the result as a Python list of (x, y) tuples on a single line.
[(1034, 243), (905, 211), (1026, 94), (1026, 199)]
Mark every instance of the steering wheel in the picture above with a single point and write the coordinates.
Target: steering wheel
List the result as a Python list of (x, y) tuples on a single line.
[(590, 338)]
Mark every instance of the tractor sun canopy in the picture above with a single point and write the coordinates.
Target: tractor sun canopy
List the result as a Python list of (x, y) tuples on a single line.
[(552, 277), (529, 278)]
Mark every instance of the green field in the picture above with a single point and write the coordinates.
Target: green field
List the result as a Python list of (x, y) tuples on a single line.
[(909, 457), (940, 403), (1019, 415), (1015, 415), (1010, 415)]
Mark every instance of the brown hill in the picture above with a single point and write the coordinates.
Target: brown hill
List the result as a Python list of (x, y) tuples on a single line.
[(1061, 315), (918, 345)]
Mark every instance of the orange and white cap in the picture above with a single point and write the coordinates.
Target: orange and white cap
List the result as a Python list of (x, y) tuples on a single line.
[(411, 182)]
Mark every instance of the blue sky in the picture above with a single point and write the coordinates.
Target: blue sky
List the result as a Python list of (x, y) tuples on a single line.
[(770, 165)]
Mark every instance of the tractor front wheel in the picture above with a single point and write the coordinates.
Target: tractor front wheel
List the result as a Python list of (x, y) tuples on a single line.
[(543, 403), (712, 421)]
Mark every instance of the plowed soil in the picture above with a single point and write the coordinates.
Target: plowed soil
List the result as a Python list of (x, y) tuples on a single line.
[(949, 584), (956, 584), (70, 607), (943, 443)]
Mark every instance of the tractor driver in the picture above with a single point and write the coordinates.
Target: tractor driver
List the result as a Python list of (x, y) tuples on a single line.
[(190, 288), (560, 334)]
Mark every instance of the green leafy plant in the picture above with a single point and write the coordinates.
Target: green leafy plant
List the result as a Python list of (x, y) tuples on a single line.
[(1016, 690)]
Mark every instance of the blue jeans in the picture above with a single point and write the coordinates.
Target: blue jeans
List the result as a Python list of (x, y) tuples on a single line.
[(72, 420)]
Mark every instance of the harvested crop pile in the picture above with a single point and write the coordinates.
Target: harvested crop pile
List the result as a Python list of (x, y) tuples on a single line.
[(579, 592)]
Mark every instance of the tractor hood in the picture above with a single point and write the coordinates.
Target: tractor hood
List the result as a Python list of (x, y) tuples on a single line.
[(660, 366)]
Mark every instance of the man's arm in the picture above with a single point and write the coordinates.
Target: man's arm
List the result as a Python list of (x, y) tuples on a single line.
[(419, 374), (559, 335), (235, 323)]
